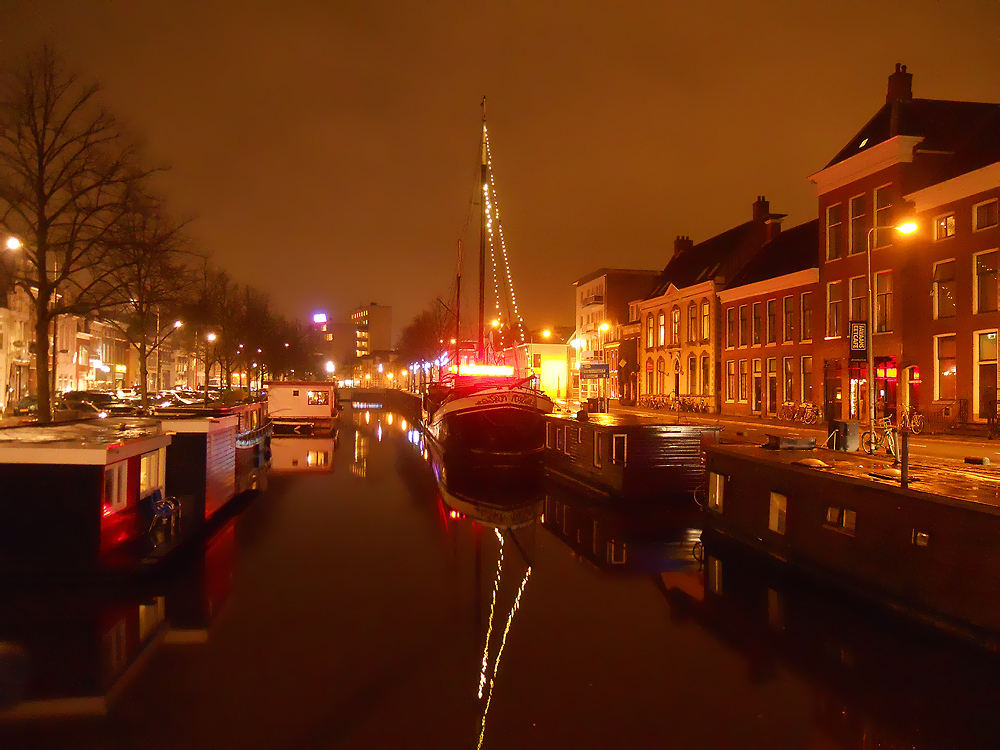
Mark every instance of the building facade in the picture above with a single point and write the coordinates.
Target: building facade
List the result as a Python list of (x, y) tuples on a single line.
[(372, 325)]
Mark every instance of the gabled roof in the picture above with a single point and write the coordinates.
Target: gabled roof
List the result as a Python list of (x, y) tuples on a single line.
[(792, 250), (707, 259), (945, 126)]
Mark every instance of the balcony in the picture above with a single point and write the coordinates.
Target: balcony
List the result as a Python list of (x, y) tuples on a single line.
[(593, 299)]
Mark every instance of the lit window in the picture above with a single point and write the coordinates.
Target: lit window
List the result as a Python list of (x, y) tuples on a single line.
[(115, 487), (834, 303), (776, 518), (756, 323), (883, 207), (151, 471), (618, 446), (946, 364), (944, 289), (716, 486), (318, 398), (986, 282), (883, 301), (806, 303), (920, 538), (944, 227)]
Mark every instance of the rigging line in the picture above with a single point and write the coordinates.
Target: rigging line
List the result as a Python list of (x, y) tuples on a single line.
[(503, 243), (503, 642), (493, 604)]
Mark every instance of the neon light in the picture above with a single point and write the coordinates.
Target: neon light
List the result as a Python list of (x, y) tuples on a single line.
[(319, 318), (485, 370)]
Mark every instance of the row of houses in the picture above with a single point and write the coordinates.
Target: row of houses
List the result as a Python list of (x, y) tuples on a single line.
[(760, 315)]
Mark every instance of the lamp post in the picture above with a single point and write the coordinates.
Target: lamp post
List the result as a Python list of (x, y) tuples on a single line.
[(908, 227), (211, 338), (604, 327)]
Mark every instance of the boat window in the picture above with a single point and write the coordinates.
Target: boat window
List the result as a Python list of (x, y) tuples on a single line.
[(548, 435), (776, 519), (617, 553), (597, 449), (151, 471), (295, 393), (566, 440), (920, 538), (115, 487), (559, 440), (618, 449), (716, 483), (842, 519), (318, 398), (713, 567)]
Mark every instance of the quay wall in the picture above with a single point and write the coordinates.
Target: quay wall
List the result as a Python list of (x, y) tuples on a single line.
[(934, 555), (403, 402)]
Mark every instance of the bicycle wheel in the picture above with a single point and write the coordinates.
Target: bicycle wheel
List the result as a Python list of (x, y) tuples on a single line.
[(810, 417), (917, 424), (867, 444)]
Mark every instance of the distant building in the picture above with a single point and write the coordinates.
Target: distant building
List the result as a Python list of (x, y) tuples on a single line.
[(372, 325), (679, 344), (603, 296), (767, 331)]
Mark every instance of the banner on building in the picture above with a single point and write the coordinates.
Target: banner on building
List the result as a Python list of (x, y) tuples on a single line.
[(859, 340)]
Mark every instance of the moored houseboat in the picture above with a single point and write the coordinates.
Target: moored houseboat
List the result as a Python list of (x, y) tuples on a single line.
[(628, 456), (74, 497), (302, 407), (290, 455), (929, 550)]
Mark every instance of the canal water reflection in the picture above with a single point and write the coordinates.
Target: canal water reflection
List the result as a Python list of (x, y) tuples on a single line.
[(367, 599)]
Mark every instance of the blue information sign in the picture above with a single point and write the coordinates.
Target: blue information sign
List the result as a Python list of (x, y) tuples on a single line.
[(592, 372)]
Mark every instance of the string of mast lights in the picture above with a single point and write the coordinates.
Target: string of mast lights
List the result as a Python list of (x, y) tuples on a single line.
[(495, 213), (493, 604)]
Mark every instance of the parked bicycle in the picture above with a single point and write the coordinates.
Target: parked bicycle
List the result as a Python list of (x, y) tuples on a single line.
[(807, 413), (884, 436), (787, 411), (912, 420)]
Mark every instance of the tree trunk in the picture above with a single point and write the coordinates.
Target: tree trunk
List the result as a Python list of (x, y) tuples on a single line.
[(143, 375), (44, 392)]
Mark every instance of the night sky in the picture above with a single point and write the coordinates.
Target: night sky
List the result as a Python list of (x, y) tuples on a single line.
[(327, 149)]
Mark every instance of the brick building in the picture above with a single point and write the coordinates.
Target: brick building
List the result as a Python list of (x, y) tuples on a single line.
[(933, 158), (767, 331)]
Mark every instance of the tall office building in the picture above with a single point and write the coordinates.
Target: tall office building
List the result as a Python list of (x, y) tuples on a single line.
[(372, 329)]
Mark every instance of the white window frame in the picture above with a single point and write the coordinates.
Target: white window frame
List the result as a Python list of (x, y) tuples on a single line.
[(812, 321), (767, 323), (598, 458), (716, 491), (874, 321), (119, 491), (937, 219), (155, 479), (826, 237), (826, 317), (850, 225), (736, 328), (777, 517), (787, 336), (934, 291), (736, 384), (975, 278), (975, 210), (937, 360), (875, 217), (850, 291), (614, 448), (706, 320), (802, 382), (978, 416)]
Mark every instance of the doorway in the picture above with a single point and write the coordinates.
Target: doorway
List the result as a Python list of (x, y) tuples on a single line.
[(758, 388)]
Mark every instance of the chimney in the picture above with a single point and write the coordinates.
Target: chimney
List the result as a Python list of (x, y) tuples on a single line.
[(900, 87), (682, 244), (761, 209), (773, 227)]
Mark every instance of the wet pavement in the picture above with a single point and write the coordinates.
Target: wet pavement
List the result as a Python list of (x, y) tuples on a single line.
[(363, 602)]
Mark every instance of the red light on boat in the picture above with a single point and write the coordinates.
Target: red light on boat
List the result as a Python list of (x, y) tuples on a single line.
[(453, 514)]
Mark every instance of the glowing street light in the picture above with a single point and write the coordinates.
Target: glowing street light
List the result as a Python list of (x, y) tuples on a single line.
[(495, 324), (330, 367), (546, 333), (13, 243), (605, 326), (319, 318), (178, 323), (211, 337)]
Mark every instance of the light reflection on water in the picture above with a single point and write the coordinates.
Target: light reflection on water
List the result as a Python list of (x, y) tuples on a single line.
[(376, 585)]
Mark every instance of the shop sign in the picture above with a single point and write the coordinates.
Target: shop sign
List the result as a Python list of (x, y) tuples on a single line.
[(859, 340)]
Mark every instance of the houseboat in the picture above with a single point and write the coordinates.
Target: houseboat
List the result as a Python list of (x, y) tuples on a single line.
[(929, 550), (302, 407), (290, 455), (628, 456), (74, 497)]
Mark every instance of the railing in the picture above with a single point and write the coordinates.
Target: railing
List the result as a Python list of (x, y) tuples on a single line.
[(593, 299)]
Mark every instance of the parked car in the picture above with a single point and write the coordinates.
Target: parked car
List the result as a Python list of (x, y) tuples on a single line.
[(24, 407)]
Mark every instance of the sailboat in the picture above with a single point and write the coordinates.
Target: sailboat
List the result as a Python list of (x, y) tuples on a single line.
[(482, 414)]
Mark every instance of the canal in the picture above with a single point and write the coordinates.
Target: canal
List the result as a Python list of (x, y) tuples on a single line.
[(361, 602)]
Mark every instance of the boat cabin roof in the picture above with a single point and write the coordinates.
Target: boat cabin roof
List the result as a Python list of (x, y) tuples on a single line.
[(92, 441), (618, 421)]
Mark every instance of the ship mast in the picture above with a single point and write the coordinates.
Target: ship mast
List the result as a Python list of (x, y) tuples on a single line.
[(483, 187)]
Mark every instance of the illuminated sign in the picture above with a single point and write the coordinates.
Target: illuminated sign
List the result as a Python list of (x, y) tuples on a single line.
[(319, 318)]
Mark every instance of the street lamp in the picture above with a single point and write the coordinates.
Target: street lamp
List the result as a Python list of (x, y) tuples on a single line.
[(13, 243), (908, 227), (604, 328), (211, 339)]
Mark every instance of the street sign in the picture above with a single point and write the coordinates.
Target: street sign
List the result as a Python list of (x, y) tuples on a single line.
[(859, 340), (593, 372)]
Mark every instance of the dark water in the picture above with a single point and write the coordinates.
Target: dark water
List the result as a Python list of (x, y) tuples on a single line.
[(359, 603)]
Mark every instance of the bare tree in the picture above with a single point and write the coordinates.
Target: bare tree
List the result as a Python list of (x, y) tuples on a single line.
[(149, 280), (66, 173)]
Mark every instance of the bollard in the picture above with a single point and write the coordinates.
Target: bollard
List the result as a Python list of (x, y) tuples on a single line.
[(905, 455)]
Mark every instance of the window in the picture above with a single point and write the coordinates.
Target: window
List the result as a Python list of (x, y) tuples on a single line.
[(772, 320), (776, 518), (318, 398), (692, 323), (115, 487), (730, 327), (706, 321), (716, 485), (649, 331), (807, 328), (730, 380), (548, 435), (944, 289), (661, 376), (806, 378), (842, 519), (756, 323), (944, 227), (788, 392), (883, 220), (920, 538), (834, 243), (692, 374), (946, 361), (985, 215), (706, 365), (859, 235), (675, 326), (295, 393), (744, 326), (536, 361), (834, 302), (986, 281), (883, 301), (661, 338), (597, 449), (788, 319), (618, 445), (743, 380), (859, 298), (151, 471)]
